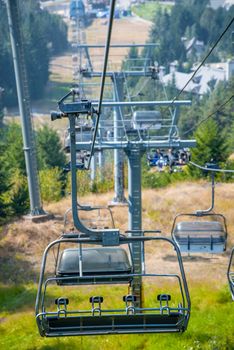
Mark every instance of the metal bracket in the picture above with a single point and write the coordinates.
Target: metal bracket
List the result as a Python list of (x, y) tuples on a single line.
[(110, 238), (79, 107)]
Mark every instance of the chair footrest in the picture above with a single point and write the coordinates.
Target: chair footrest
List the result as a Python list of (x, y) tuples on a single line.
[(88, 325)]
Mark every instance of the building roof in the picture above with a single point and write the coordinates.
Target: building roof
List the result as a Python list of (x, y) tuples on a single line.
[(206, 78)]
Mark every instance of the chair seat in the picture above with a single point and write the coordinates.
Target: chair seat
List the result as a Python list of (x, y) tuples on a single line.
[(91, 325)]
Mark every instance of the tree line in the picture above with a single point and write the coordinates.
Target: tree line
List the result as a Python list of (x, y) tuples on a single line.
[(54, 181), (214, 137), (44, 35), (14, 199), (190, 19)]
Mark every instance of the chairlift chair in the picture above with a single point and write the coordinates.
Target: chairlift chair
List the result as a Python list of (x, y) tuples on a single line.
[(64, 319), (88, 257), (200, 236), (146, 119), (83, 134), (230, 273)]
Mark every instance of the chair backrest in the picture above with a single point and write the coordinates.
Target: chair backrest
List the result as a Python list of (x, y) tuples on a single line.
[(146, 119)]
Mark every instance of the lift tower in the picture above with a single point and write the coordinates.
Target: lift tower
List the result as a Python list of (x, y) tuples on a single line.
[(117, 78), (13, 14)]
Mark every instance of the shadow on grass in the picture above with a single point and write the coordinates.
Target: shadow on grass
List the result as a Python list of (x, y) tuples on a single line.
[(189, 258), (15, 268), (14, 298)]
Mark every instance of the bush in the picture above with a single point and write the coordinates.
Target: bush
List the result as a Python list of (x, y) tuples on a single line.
[(155, 180), (49, 149), (19, 197), (51, 184)]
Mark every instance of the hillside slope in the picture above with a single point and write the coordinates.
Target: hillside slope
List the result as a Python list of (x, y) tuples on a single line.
[(22, 242)]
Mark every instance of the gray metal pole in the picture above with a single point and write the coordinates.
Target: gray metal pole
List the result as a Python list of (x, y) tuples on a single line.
[(93, 169), (118, 81), (101, 156), (134, 154), (24, 107)]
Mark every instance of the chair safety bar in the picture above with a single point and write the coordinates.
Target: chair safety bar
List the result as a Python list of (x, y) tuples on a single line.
[(132, 318)]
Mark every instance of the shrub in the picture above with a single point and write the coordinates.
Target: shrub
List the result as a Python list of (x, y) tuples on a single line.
[(19, 198), (51, 184)]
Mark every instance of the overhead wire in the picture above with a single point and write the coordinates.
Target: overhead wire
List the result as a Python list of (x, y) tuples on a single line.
[(204, 59), (195, 72), (102, 86), (141, 88), (209, 116)]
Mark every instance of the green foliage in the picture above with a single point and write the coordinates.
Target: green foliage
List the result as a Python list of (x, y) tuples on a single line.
[(211, 146), (231, 138), (49, 149), (44, 34), (223, 116), (148, 10), (210, 325), (132, 60), (4, 187), (155, 179), (13, 182), (83, 182), (14, 198), (103, 182), (189, 19), (19, 198), (16, 297), (100, 185), (51, 184), (203, 107), (152, 179), (168, 36), (14, 154)]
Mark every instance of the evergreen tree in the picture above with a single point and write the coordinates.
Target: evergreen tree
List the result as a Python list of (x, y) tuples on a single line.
[(49, 149), (211, 146), (14, 154), (4, 187), (19, 197), (44, 34)]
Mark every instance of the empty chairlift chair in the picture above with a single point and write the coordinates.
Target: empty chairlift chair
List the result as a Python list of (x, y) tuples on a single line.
[(230, 273), (145, 121), (200, 236), (84, 133), (206, 233), (107, 265)]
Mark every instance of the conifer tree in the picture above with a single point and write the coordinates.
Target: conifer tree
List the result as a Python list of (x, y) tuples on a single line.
[(211, 146)]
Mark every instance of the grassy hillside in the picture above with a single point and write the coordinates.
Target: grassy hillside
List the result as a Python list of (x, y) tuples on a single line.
[(210, 327), (212, 318)]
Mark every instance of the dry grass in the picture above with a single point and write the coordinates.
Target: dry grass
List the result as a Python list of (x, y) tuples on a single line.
[(125, 31), (23, 242)]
